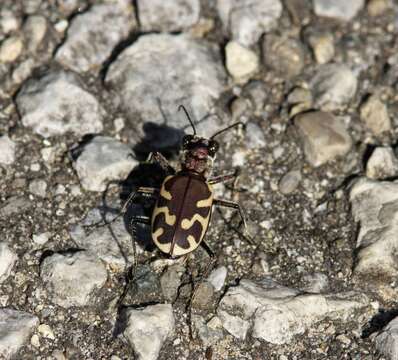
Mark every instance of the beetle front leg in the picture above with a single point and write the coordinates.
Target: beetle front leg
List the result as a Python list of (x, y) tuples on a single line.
[(236, 206), (158, 158), (224, 177)]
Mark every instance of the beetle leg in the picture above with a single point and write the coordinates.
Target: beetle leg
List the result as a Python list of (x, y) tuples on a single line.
[(158, 158), (236, 206), (224, 177)]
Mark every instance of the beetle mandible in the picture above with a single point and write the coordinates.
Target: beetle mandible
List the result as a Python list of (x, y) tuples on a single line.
[(185, 200)]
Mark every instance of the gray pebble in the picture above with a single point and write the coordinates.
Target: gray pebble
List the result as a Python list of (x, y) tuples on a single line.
[(171, 281), (7, 150), (316, 283), (333, 86), (284, 55), (16, 328), (387, 340), (324, 137), (148, 328), (382, 164), (217, 277), (375, 116), (62, 272), (240, 61), (254, 136), (8, 258), (94, 34), (13, 205), (204, 296), (10, 49), (158, 15), (211, 332), (35, 29), (38, 188), (246, 22), (258, 93), (289, 182), (338, 9), (56, 103), (102, 160), (322, 45), (174, 70)]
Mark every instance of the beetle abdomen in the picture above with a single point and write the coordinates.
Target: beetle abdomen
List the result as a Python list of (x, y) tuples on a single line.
[(182, 214)]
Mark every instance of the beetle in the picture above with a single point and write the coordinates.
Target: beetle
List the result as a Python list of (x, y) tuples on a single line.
[(185, 199)]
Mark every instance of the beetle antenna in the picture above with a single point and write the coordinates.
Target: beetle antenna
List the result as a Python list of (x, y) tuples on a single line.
[(189, 118), (227, 128)]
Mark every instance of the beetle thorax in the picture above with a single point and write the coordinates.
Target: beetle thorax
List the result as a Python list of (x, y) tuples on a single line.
[(197, 160)]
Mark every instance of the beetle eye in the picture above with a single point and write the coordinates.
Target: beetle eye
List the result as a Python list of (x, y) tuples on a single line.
[(213, 147), (186, 140)]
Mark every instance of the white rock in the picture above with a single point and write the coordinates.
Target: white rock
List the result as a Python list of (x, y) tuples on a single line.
[(93, 35), (158, 73), (35, 29), (148, 328), (241, 62), (387, 340), (276, 313), (41, 239), (46, 331), (71, 278), (7, 150), (101, 241), (324, 137), (217, 277), (247, 21), (375, 207), (374, 114), (158, 15), (338, 9), (8, 21), (102, 160), (38, 188), (16, 328), (11, 49), (382, 164), (57, 103), (8, 258), (333, 86)]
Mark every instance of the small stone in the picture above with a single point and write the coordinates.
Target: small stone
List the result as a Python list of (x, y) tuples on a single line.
[(35, 29), (93, 35), (333, 86), (204, 296), (35, 341), (258, 93), (241, 62), (338, 9), (61, 273), (147, 329), (14, 204), (387, 340), (158, 15), (382, 164), (299, 10), (289, 182), (7, 150), (41, 239), (56, 103), (8, 21), (8, 258), (38, 188), (211, 332), (16, 328), (217, 277), (378, 7), (46, 331), (284, 55), (255, 137), (11, 49), (316, 283), (246, 22), (102, 160), (299, 100), (68, 6), (171, 281), (322, 45), (374, 114), (324, 137)]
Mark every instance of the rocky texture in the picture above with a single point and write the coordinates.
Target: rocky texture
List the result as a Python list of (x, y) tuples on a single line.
[(71, 278), (111, 243), (102, 160), (38, 188), (276, 314), (387, 340), (217, 277), (157, 15), (35, 29), (93, 35), (7, 150), (338, 9), (210, 332), (324, 137), (241, 62), (10, 49), (322, 45), (246, 22), (375, 207), (15, 330), (375, 116), (175, 70), (171, 281), (56, 103), (333, 86), (382, 164), (148, 328), (289, 182), (8, 259)]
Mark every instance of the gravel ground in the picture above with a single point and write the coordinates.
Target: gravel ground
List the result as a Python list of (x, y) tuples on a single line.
[(90, 88)]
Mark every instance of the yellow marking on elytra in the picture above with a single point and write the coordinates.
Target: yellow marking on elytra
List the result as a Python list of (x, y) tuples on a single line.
[(170, 219), (206, 202), (163, 247), (163, 192), (178, 250)]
